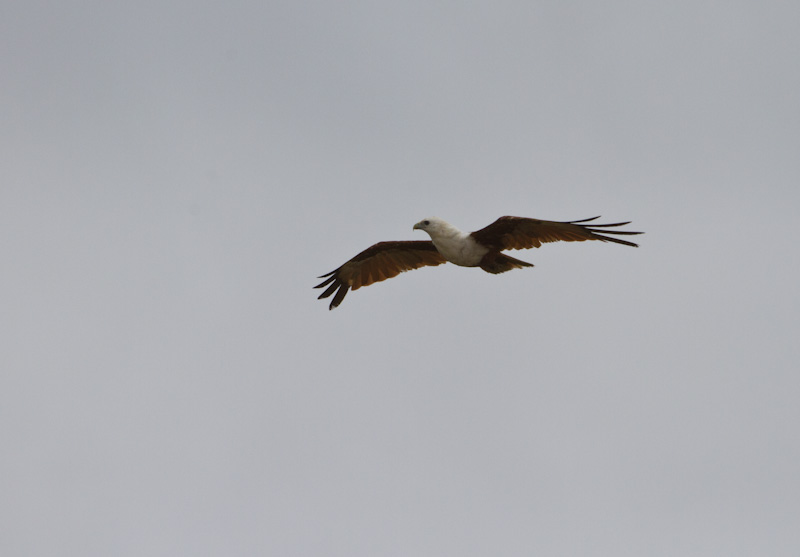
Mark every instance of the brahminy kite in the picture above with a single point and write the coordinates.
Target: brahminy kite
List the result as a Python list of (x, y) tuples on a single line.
[(477, 249)]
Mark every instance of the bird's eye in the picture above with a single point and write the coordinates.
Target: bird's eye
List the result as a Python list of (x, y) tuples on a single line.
[(426, 222)]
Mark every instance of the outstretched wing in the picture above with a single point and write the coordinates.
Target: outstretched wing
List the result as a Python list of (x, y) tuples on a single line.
[(382, 261), (523, 233)]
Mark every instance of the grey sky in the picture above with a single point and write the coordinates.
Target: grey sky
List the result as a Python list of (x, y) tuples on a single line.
[(174, 177)]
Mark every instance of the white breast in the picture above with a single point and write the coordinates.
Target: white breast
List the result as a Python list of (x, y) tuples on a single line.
[(460, 249)]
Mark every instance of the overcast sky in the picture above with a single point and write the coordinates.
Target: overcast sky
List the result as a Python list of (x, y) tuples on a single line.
[(175, 176)]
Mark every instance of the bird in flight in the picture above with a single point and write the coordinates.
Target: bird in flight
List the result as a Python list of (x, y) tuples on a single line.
[(482, 248)]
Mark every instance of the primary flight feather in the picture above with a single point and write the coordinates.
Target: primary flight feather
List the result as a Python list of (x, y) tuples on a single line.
[(482, 248)]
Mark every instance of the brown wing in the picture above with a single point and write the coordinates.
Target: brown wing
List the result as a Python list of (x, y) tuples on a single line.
[(522, 233), (379, 262)]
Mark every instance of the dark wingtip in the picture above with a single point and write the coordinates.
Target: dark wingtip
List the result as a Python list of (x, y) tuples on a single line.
[(340, 294), (584, 220), (326, 281), (603, 234), (618, 241), (608, 225)]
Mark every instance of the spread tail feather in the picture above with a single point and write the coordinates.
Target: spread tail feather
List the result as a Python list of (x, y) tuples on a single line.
[(496, 262)]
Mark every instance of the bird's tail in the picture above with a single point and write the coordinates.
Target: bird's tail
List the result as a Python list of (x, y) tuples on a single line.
[(495, 263)]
